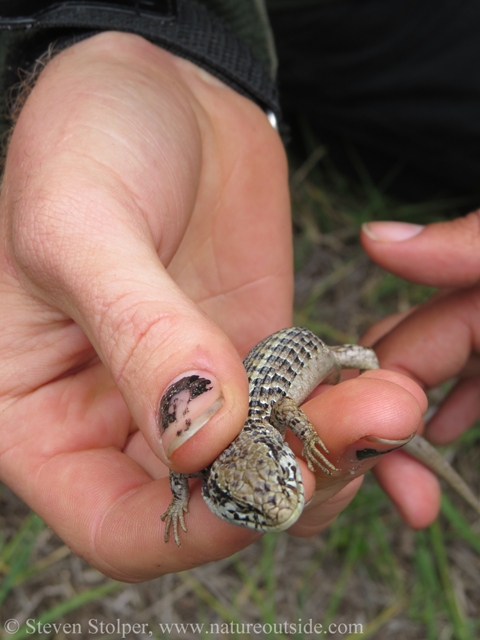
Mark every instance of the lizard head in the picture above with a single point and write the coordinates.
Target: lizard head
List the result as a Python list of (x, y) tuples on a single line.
[(256, 484)]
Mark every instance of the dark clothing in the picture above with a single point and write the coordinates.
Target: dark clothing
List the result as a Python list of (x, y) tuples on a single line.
[(394, 85), (225, 47), (398, 81)]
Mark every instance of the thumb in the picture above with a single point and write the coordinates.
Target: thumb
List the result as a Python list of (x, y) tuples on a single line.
[(182, 379), (443, 254), (98, 194)]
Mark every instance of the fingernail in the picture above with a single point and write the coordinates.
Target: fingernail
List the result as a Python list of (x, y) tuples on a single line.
[(186, 406), (369, 447), (391, 231)]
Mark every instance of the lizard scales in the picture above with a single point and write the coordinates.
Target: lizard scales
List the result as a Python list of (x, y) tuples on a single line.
[(256, 481)]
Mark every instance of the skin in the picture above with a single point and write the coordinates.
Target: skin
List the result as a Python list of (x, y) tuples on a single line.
[(146, 232), (433, 343)]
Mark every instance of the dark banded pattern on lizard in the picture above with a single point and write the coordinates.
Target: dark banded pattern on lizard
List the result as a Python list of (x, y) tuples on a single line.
[(256, 481)]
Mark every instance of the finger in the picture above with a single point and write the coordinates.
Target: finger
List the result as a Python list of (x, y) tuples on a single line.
[(359, 420), (382, 327), (102, 503), (178, 373), (386, 325), (83, 244), (378, 403), (457, 412), (434, 343), (320, 515), (431, 345), (412, 487), (443, 254)]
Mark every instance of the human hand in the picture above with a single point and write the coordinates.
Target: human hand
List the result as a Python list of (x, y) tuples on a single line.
[(434, 342), (126, 161), (145, 218)]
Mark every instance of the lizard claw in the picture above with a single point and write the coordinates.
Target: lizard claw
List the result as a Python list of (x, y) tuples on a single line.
[(316, 458), (286, 414), (174, 516)]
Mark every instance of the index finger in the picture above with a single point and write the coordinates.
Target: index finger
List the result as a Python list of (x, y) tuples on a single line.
[(431, 345), (434, 343)]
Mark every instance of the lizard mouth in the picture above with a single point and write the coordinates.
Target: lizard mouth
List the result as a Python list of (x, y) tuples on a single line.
[(283, 508), (277, 512)]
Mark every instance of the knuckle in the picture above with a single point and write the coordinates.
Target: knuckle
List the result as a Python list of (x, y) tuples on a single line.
[(134, 333)]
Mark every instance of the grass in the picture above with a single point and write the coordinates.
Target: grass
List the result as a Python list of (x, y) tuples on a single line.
[(17, 568), (367, 569)]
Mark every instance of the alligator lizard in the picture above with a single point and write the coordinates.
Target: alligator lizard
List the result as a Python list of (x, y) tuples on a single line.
[(256, 481)]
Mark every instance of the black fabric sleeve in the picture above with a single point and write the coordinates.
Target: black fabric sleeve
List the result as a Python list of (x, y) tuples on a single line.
[(185, 28)]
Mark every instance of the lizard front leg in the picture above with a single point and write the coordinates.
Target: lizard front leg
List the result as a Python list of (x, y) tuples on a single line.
[(286, 414), (174, 515)]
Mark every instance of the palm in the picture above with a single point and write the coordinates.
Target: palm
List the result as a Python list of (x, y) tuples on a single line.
[(130, 194)]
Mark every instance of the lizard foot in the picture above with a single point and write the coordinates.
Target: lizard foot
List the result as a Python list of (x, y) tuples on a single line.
[(314, 457), (174, 516)]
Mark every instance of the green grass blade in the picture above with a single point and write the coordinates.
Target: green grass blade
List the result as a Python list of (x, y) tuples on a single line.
[(457, 615), (16, 554), (32, 523), (66, 607), (427, 599), (460, 525), (355, 550)]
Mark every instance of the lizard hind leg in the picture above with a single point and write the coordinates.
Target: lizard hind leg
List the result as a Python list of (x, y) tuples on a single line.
[(286, 414)]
